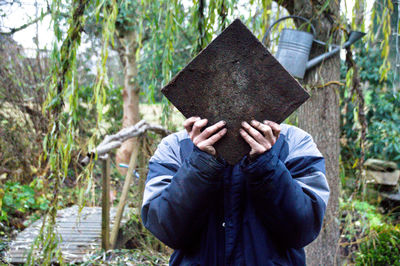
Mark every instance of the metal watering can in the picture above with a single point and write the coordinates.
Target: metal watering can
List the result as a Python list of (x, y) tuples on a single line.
[(295, 45)]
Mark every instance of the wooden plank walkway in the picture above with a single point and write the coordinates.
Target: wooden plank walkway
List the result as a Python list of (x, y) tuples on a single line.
[(79, 237)]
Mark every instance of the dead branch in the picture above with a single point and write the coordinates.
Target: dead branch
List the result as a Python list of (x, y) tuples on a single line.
[(26, 25), (111, 142)]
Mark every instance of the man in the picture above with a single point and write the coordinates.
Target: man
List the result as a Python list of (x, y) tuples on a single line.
[(262, 211)]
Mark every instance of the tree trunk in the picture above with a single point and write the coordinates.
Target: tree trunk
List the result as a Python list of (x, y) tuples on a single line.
[(319, 116), (127, 48)]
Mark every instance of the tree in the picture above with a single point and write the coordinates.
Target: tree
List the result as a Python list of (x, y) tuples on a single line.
[(146, 40), (127, 44), (320, 117)]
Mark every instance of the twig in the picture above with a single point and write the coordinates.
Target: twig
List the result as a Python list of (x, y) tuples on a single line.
[(332, 82), (26, 25)]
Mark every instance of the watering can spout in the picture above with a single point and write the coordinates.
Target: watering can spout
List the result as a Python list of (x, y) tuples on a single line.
[(353, 37)]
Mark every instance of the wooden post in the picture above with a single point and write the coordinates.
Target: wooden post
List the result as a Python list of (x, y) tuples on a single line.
[(105, 205), (122, 201), (142, 175)]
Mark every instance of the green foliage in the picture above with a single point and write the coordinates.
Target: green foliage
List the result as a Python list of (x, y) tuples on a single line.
[(380, 30), (169, 33), (59, 140), (364, 229), (365, 214), (384, 125), (165, 42), (382, 115), (381, 247), (19, 199), (112, 111)]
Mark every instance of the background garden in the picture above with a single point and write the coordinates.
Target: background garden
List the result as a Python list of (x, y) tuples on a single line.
[(94, 67)]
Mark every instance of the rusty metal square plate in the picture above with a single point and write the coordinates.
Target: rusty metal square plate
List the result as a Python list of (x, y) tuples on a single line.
[(235, 78)]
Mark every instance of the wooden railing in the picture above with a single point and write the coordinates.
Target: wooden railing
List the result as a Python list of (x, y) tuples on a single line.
[(109, 143)]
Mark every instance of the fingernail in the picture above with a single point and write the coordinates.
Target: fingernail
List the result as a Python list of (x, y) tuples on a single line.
[(253, 122), (244, 123), (223, 122)]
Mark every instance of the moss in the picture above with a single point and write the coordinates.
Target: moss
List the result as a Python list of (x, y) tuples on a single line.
[(381, 246)]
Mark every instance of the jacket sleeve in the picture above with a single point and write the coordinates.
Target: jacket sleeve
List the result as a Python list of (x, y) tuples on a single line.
[(177, 193), (290, 197)]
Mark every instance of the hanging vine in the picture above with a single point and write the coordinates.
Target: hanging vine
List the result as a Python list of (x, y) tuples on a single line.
[(199, 20), (353, 82), (59, 139)]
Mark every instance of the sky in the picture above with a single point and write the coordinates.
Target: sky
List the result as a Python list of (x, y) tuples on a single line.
[(19, 15)]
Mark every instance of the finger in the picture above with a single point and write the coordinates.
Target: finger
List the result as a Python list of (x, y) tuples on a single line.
[(197, 126), (214, 138), (265, 129), (209, 131), (210, 149), (255, 134), (276, 128), (254, 145), (188, 124)]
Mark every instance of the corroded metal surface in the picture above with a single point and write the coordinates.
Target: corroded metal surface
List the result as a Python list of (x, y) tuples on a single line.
[(235, 79), (80, 234)]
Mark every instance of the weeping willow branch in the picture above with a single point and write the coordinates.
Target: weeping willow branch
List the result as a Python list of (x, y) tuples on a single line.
[(58, 143), (201, 25), (61, 73), (223, 13)]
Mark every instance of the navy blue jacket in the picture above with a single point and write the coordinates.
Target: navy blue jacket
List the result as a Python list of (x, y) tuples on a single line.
[(254, 213)]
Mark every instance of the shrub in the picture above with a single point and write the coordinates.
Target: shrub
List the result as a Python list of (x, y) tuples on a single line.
[(381, 247), (368, 237), (19, 200)]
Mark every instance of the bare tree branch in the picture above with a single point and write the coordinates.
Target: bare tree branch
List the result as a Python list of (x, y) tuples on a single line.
[(14, 30), (111, 142), (6, 3)]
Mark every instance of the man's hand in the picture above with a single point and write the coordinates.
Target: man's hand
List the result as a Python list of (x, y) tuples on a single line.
[(206, 139), (260, 136)]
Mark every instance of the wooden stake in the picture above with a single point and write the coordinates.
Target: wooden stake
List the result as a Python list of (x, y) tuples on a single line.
[(122, 201), (105, 205)]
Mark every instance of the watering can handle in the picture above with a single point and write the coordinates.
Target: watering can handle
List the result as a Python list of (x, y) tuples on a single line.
[(283, 18)]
